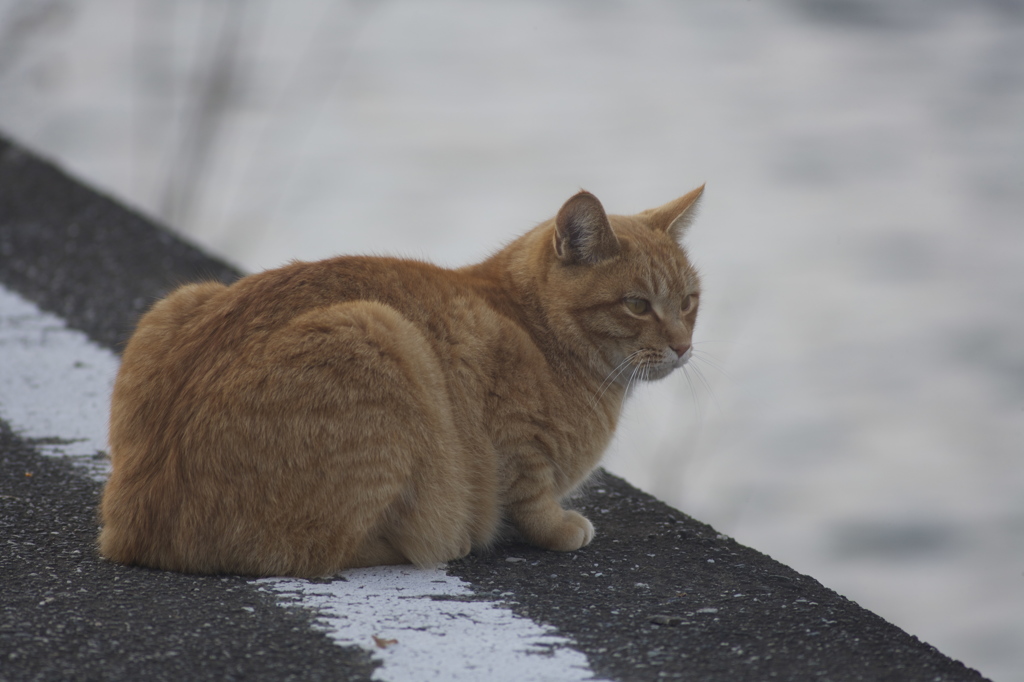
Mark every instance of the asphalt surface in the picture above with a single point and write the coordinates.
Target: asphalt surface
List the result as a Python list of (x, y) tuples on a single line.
[(84, 257), (658, 595)]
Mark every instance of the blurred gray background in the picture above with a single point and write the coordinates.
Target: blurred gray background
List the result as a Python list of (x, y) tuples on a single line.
[(857, 410)]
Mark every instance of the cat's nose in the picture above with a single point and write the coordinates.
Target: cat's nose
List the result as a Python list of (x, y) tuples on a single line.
[(681, 349)]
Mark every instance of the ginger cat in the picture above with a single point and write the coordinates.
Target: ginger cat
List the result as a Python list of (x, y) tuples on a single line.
[(364, 411)]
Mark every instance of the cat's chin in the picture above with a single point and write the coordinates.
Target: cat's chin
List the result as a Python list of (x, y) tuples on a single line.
[(670, 363), (660, 372)]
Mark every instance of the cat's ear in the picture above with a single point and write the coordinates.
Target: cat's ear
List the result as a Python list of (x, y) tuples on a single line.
[(676, 216), (583, 234)]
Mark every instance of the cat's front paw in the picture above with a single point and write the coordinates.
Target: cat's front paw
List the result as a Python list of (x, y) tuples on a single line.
[(574, 531)]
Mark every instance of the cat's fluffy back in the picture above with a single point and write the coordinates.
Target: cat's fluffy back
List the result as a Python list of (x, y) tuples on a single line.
[(267, 437)]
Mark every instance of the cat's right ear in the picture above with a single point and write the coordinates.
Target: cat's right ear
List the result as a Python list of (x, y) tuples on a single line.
[(675, 216), (583, 234)]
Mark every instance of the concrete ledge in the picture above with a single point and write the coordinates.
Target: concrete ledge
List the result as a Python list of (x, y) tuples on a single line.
[(658, 595), (81, 255)]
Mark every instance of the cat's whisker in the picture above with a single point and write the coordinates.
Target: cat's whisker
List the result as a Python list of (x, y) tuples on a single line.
[(629, 380), (612, 377), (704, 380), (619, 369), (693, 394), (709, 360), (643, 374), (607, 383), (634, 377), (702, 358)]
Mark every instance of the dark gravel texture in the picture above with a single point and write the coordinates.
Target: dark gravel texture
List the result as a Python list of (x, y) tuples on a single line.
[(658, 595), (82, 256)]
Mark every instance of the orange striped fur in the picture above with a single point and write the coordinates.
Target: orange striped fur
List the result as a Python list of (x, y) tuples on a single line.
[(363, 411)]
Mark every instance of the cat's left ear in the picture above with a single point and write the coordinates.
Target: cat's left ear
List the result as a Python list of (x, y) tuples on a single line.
[(583, 234), (676, 216)]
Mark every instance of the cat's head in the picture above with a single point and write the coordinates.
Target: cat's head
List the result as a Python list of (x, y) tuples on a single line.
[(621, 288)]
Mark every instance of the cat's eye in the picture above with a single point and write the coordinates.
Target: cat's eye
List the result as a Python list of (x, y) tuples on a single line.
[(637, 306), (689, 302)]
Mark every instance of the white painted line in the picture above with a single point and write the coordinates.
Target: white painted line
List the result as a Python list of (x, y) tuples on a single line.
[(54, 384), (55, 392), (419, 622)]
